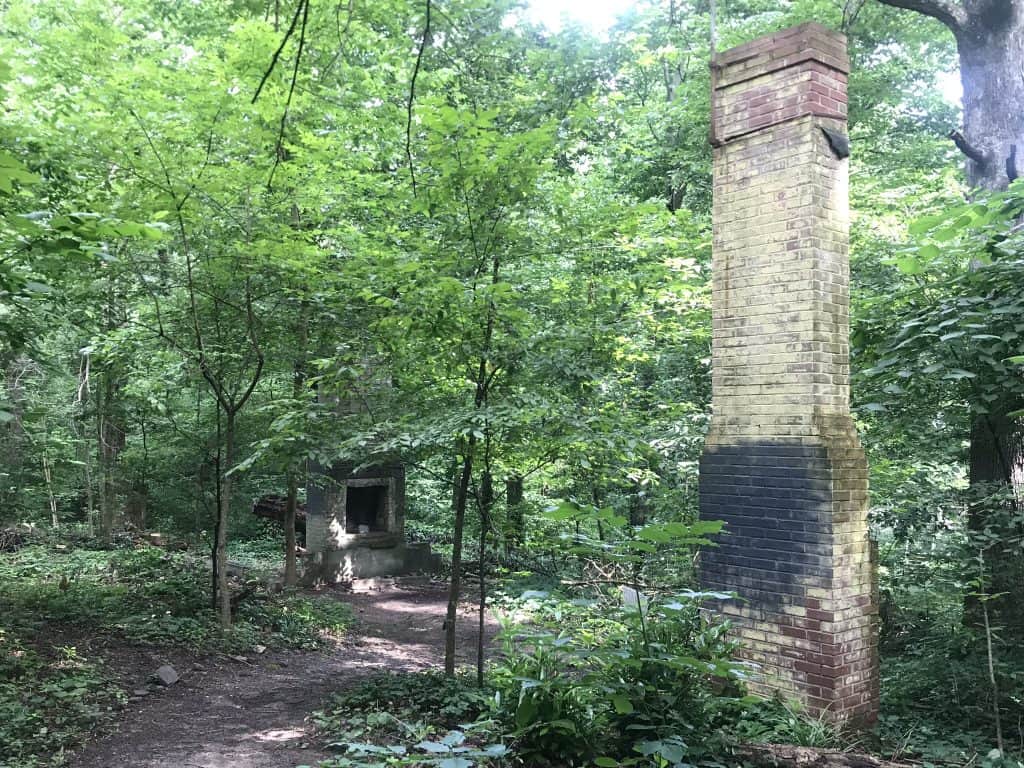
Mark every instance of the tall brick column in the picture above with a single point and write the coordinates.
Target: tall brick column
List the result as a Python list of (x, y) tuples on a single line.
[(782, 465)]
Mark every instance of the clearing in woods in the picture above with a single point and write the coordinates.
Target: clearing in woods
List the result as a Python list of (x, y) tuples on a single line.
[(226, 713)]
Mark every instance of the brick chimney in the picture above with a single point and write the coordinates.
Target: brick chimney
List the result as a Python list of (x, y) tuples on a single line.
[(782, 465)]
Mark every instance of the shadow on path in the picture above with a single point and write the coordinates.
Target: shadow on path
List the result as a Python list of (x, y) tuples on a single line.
[(230, 714)]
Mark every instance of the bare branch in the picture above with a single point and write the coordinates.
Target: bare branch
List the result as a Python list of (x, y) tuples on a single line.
[(277, 53), (279, 147), (948, 12), (250, 321), (967, 148), (412, 98)]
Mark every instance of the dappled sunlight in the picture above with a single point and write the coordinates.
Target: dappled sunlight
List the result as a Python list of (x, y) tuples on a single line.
[(286, 734)]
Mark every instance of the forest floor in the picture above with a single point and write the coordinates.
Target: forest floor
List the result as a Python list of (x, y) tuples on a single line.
[(231, 713)]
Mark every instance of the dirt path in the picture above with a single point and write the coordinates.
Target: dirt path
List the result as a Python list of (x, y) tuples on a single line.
[(230, 714)]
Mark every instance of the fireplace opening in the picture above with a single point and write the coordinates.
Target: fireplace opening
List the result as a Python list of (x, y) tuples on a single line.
[(366, 509)]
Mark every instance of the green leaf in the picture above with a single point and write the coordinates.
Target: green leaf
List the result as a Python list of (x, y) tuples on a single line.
[(526, 711), (908, 265), (434, 747), (622, 704), (958, 373), (454, 738), (606, 762), (925, 224)]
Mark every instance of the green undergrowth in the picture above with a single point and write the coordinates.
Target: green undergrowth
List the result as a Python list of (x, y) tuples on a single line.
[(50, 699), (263, 554), (582, 683), (386, 708), (149, 596)]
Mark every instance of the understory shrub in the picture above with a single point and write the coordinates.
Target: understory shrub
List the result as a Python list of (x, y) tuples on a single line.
[(640, 683), (415, 718), (151, 596), (50, 699)]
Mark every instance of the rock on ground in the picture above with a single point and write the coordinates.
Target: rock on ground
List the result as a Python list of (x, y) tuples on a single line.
[(225, 714)]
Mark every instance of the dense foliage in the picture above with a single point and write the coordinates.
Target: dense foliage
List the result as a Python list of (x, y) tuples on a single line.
[(237, 236)]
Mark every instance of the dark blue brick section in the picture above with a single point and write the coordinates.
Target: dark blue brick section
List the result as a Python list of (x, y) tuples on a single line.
[(776, 501)]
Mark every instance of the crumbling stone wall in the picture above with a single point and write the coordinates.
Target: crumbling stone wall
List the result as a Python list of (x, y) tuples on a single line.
[(782, 465)]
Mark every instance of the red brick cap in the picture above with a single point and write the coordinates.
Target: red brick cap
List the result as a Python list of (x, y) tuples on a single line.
[(809, 41)]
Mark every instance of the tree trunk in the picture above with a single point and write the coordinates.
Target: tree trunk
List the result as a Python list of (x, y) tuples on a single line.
[(291, 571), (461, 496), (997, 461), (135, 508), (48, 478), (991, 47), (991, 50), (990, 42), (12, 437), (486, 504), (111, 439), (514, 504), (223, 514)]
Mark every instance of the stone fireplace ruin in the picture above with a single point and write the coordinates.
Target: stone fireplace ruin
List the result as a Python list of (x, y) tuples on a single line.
[(355, 525)]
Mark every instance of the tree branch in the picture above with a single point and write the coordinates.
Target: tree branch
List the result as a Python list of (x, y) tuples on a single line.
[(948, 12), (412, 99), (280, 48), (967, 148), (279, 146)]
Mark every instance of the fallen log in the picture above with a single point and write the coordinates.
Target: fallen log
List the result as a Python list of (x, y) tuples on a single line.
[(273, 507), (788, 756)]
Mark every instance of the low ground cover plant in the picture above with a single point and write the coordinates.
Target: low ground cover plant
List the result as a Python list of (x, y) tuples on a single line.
[(148, 595)]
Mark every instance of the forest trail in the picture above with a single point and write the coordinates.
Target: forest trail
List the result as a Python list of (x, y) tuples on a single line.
[(231, 714)]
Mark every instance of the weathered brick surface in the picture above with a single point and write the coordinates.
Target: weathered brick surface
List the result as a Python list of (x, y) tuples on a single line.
[(782, 464)]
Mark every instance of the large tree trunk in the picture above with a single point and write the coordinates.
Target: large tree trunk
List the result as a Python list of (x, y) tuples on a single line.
[(111, 440), (997, 461), (991, 46), (990, 41)]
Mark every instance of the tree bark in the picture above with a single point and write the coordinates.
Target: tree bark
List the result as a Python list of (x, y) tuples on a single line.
[(455, 585), (291, 571), (991, 47), (514, 504), (223, 513), (990, 42), (486, 504), (111, 439)]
